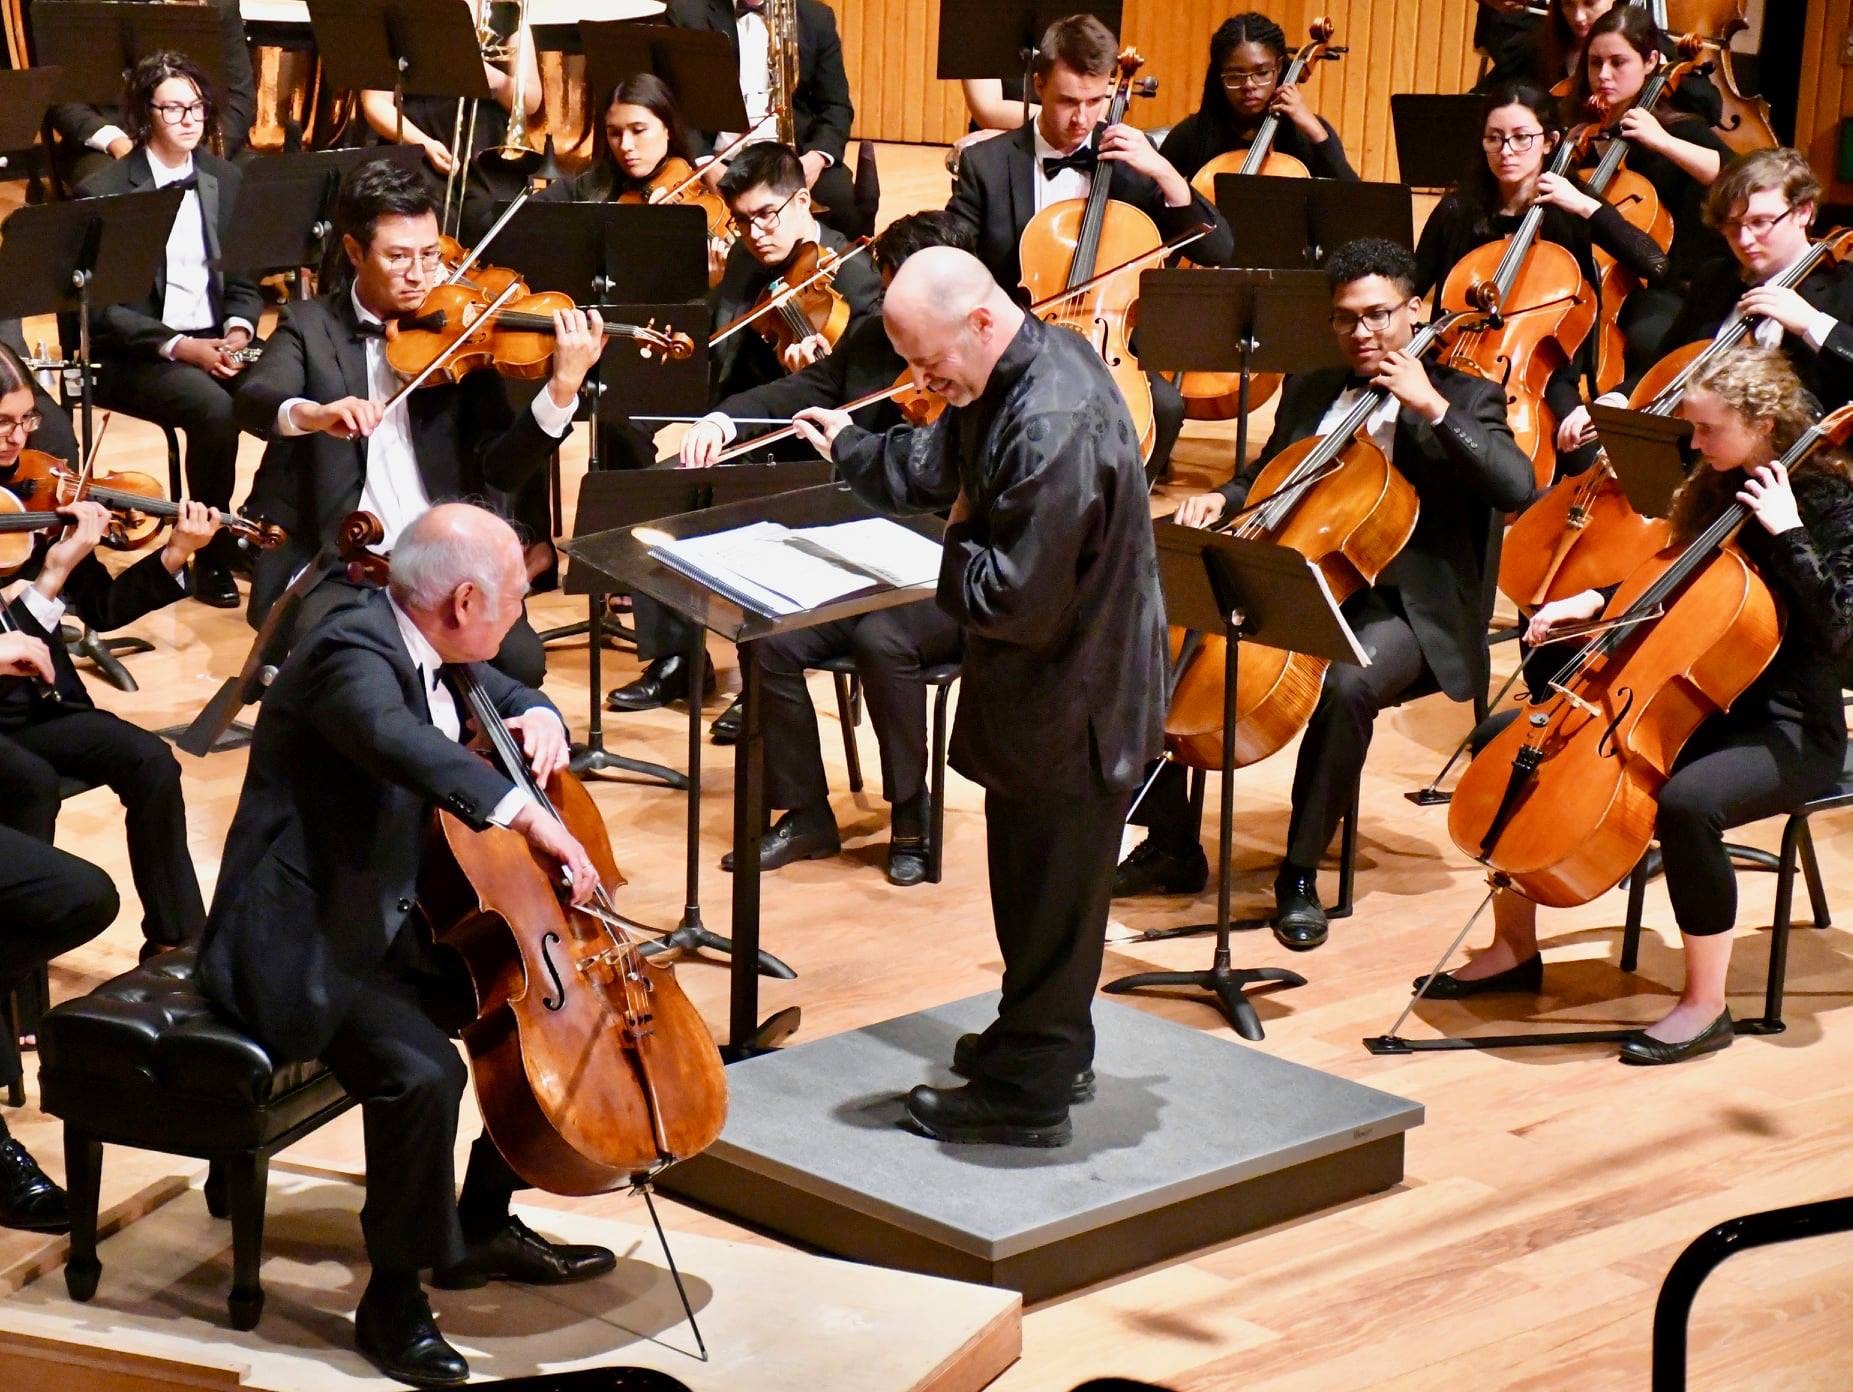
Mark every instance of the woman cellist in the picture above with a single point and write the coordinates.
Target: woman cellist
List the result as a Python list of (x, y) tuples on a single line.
[(1519, 133), (1779, 743), (1241, 88), (1550, 54)]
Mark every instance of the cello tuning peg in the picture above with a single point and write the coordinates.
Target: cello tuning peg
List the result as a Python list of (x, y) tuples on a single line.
[(1145, 87)]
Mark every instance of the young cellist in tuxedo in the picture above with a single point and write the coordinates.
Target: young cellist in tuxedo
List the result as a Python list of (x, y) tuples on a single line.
[(1424, 623)]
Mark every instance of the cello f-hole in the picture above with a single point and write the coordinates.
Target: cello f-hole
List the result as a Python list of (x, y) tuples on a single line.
[(1608, 746), (558, 998)]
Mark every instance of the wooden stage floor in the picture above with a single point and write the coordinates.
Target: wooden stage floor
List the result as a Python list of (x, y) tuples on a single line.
[(1547, 1193)]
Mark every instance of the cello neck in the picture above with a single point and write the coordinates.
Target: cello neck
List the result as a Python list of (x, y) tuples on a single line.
[(1527, 232), (1087, 244), (1263, 145)]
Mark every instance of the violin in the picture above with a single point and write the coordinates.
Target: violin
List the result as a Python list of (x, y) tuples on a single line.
[(591, 1067), (802, 301), (1217, 395), (1062, 247), (677, 183), (1561, 803), (1582, 534), (137, 502), (1543, 312), (1339, 502)]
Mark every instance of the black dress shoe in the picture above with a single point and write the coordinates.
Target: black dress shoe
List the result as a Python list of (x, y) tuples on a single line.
[(1645, 1051), (965, 1060), (518, 1253), (907, 860), (795, 836), (28, 1198), (666, 679), (1299, 921), (400, 1338), (1151, 869), (726, 726), (1526, 977), (974, 1115), (212, 584)]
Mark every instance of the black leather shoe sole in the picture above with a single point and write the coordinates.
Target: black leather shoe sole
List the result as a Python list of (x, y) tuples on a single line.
[(52, 1223), (907, 864), (1526, 978), (1644, 1051), (798, 848), (1031, 1136), (411, 1374), (445, 1368), (965, 1055), (215, 588), (726, 726), (468, 1277), (1167, 874), (1301, 935)]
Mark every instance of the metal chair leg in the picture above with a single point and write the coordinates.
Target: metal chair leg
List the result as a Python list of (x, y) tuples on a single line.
[(1637, 904), (936, 846), (849, 715), (1771, 1020), (1811, 869), (1347, 859)]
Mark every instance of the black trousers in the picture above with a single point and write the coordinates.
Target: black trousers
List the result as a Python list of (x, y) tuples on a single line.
[(835, 189), (1171, 823), (189, 399), (50, 902), (1167, 421), (98, 747), (892, 647), (1051, 864), (409, 1077), (1644, 321), (660, 630)]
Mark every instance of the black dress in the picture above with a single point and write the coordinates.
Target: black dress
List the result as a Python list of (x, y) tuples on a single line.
[(1193, 142)]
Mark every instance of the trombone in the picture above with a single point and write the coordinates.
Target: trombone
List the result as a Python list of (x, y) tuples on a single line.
[(500, 28)]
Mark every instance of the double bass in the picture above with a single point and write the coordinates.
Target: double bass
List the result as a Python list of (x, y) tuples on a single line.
[(1217, 395), (1064, 244), (1561, 804)]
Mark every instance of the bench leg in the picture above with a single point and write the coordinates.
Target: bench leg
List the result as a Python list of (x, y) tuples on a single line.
[(83, 1177), (245, 1179)]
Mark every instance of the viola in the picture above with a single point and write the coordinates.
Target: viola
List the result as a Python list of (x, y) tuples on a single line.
[(1339, 502), (1062, 247), (1217, 395), (591, 1067), (137, 502), (1561, 803)]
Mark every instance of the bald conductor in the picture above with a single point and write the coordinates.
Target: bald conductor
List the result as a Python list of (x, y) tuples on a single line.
[(1049, 568)]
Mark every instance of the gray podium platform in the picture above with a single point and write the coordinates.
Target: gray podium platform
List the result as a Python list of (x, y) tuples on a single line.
[(1192, 1140)]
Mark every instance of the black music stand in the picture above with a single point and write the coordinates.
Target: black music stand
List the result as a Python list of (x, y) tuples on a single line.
[(25, 96), (286, 207), (1648, 454), (998, 38), (623, 557), (62, 257), (1250, 591), (97, 42), (698, 64), (420, 48), (1211, 319), (1437, 137), (1289, 224)]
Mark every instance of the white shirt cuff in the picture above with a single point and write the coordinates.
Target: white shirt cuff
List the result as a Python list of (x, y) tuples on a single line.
[(1613, 398), (553, 418), (721, 421), (166, 350), (286, 423), (236, 323), (48, 612), (105, 137), (503, 814), (1818, 328)]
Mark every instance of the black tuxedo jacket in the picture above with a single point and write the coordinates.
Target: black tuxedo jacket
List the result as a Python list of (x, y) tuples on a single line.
[(821, 109), (137, 327), (995, 192), (1466, 472), (745, 359), (466, 435), (322, 859), (101, 600), (76, 122), (1713, 299)]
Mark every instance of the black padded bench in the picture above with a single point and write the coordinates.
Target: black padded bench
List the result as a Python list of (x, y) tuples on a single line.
[(144, 1061)]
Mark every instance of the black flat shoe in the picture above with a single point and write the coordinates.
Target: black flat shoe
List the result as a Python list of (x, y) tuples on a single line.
[(666, 679), (726, 726), (517, 1253), (212, 584), (971, 1115), (965, 1060), (793, 837), (907, 861), (1643, 1050), (401, 1339), (28, 1198), (1151, 869), (1299, 921), (1526, 977)]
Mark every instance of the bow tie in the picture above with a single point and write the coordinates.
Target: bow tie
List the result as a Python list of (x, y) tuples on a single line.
[(1354, 383), (190, 182), (1082, 160), (368, 328), (742, 8)]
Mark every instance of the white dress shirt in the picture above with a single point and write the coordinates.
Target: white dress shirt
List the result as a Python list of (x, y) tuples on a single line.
[(443, 705), (394, 490), (1768, 333), (187, 304), (1380, 425), (755, 71), (1068, 183)]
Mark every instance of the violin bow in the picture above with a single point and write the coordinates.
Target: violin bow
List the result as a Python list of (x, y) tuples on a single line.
[(474, 254), (836, 263), (451, 349), (718, 157)]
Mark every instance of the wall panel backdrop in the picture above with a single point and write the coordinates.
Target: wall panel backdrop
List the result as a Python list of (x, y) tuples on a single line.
[(1826, 88), (891, 50)]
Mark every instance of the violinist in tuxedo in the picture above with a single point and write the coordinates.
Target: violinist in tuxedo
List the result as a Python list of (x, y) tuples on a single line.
[(1423, 625), (1005, 181), (320, 397), (171, 357), (317, 947), (821, 107)]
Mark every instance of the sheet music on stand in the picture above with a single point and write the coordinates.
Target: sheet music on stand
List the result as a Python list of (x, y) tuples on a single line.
[(775, 570)]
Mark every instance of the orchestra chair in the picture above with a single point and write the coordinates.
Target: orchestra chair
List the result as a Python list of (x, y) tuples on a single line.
[(849, 714), (145, 1061)]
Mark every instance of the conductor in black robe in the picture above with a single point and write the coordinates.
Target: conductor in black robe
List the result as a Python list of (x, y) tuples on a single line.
[(1049, 569)]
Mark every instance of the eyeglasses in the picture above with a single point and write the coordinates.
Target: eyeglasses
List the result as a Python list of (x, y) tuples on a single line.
[(765, 219), (1518, 142), (178, 113), (27, 423), (1235, 79), (399, 262), (1755, 226), (1376, 320)]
